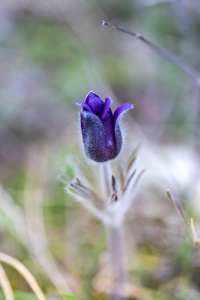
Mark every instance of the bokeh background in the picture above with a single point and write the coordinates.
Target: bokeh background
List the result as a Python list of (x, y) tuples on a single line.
[(52, 53)]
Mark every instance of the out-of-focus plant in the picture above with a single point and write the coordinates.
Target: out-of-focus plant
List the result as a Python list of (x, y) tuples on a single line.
[(4, 281), (66, 296)]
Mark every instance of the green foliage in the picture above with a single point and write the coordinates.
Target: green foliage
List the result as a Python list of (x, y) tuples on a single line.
[(19, 295), (66, 296), (184, 256)]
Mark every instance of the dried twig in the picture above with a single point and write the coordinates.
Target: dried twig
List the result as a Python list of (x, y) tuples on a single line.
[(186, 68)]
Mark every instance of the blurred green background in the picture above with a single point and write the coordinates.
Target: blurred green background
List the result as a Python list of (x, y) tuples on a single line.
[(52, 53)]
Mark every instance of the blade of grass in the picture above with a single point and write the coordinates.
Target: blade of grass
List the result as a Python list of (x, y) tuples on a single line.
[(5, 284), (24, 272), (66, 296)]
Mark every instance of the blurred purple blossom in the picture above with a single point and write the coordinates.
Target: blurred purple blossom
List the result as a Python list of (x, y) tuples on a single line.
[(101, 133)]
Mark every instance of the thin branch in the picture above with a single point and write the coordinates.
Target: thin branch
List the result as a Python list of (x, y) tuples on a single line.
[(186, 68)]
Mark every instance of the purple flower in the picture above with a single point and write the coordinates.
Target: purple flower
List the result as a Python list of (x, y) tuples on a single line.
[(101, 133)]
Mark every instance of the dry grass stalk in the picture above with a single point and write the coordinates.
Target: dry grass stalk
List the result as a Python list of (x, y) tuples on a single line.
[(195, 239), (5, 284), (177, 206), (24, 272)]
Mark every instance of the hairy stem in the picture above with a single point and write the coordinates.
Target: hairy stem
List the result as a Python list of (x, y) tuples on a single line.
[(107, 178), (116, 262)]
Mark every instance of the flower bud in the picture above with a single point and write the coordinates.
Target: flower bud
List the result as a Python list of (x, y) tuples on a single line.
[(101, 133)]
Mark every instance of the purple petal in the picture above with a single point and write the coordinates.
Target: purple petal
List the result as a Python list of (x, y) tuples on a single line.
[(84, 105), (122, 108), (118, 139), (108, 102), (94, 137), (90, 95), (94, 102), (110, 134)]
